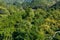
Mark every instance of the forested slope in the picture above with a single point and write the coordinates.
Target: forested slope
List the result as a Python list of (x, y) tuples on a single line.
[(17, 23)]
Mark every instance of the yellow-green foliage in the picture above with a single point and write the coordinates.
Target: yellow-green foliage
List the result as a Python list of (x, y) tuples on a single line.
[(29, 24)]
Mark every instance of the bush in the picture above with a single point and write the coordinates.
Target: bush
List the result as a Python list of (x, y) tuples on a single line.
[(28, 24)]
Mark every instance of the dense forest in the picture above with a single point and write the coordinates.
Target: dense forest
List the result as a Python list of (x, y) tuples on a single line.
[(29, 19)]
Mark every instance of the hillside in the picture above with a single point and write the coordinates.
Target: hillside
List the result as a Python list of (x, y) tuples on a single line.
[(56, 5), (45, 2)]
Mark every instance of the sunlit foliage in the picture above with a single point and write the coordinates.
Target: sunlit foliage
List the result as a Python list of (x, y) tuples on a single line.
[(28, 24)]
